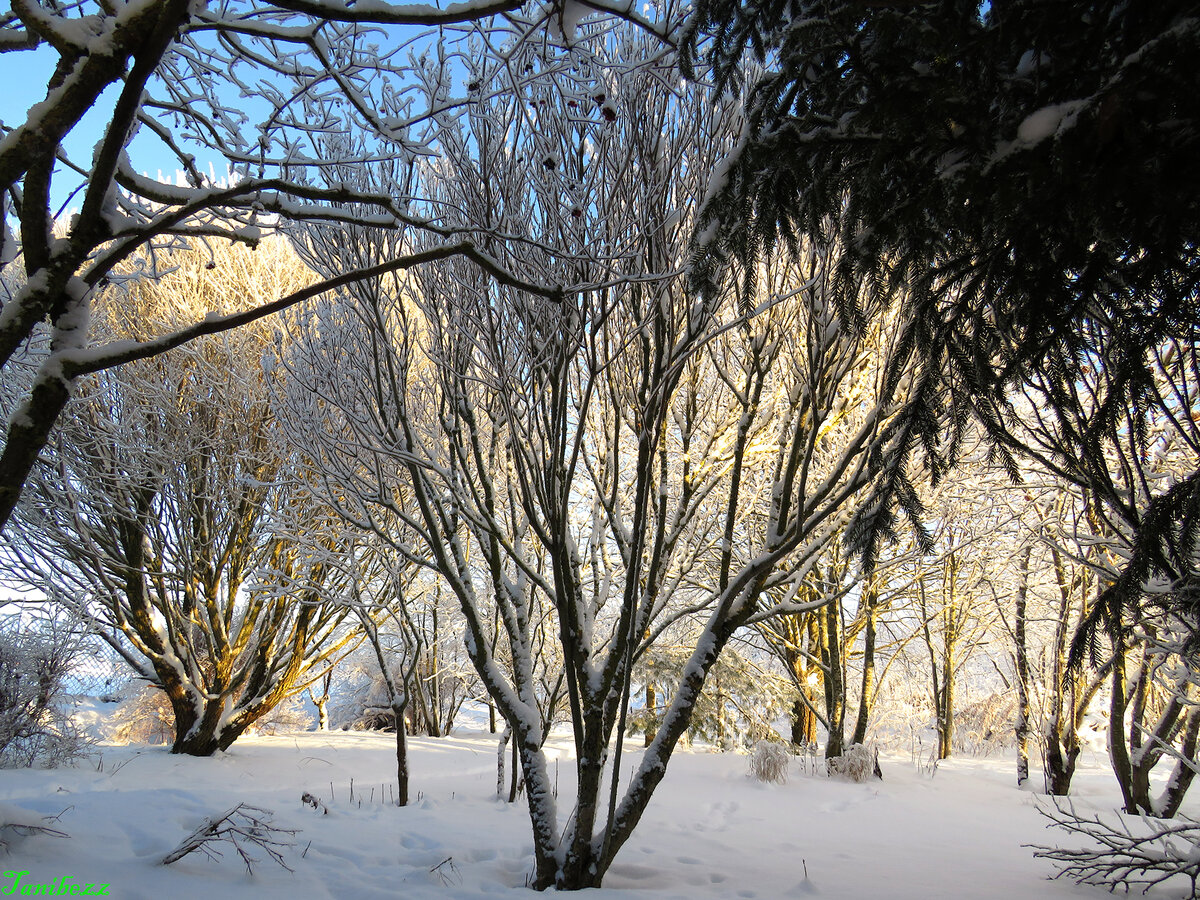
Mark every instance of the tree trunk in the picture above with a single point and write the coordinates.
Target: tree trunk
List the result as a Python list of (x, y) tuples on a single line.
[(946, 718), (1022, 728), (1070, 695), (937, 679), (27, 435), (804, 716), (323, 714), (651, 717), (950, 632), (804, 722), (1062, 750), (401, 755), (501, 751), (438, 727), (719, 703), (835, 682), (206, 734), (514, 787), (1118, 750), (867, 697), (321, 700), (1140, 755)]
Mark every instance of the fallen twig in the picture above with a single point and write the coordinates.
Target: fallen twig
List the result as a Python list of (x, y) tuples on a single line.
[(242, 826)]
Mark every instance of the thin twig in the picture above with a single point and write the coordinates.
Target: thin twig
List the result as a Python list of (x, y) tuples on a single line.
[(243, 826)]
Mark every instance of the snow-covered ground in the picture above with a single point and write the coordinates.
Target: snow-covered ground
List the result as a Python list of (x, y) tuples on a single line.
[(711, 831)]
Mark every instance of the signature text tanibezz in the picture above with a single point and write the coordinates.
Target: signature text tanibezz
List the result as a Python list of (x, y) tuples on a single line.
[(65, 886)]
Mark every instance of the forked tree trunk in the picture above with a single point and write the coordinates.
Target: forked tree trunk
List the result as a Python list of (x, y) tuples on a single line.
[(323, 714), (321, 700), (1135, 752), (204, 734)]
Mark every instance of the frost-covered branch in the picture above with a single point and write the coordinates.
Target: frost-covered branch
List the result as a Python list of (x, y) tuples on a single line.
[(244, 827), (245, 96), (1128, 852), (114, 354)]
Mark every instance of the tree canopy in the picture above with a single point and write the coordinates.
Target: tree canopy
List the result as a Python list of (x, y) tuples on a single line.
[(1021, 175)]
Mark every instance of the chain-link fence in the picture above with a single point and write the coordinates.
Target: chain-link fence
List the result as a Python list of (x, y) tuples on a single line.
[(98, 670)]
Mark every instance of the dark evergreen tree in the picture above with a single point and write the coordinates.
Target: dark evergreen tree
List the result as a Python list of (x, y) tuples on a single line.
[(1021, 174)]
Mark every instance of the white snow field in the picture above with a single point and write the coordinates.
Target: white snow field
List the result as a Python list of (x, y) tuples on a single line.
[(711, 831)]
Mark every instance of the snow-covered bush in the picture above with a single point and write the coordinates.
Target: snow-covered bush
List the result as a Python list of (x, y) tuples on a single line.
[(361, 703), (858, 762), (769, 762), (35, 727), (437, 684)]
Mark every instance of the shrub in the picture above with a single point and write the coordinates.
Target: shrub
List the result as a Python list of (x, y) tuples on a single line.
[(769, 762), (858, 762), (34, 725)]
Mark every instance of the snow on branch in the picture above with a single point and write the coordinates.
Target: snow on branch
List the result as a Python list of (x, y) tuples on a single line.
[(383, 13), (85, 362), (18, 822), (1122, 856), (244, 826)]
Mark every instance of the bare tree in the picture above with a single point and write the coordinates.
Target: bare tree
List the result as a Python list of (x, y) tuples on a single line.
[(163, 513), (251, 86), (952, 617), (1055, 589), (36, 657), (444, 677), (600, 464), (379, 598)]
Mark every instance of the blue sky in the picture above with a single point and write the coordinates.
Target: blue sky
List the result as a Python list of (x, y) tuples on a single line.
[(25, 75)]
